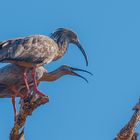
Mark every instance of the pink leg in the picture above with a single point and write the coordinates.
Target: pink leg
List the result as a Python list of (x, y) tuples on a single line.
[(14, 106), (15, 94), (35, 83), (25, 78)]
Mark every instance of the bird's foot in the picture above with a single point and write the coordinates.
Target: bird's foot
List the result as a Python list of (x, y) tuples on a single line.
[(38, 92)]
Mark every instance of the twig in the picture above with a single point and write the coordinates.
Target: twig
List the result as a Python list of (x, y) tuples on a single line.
[(128, 131), (27, 106)]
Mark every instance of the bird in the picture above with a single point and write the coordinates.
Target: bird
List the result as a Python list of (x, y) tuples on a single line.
[(37, 50), (12, 84)]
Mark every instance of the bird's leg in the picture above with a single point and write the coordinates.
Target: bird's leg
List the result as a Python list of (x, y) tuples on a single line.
[(35, 82), (15, 93), (14, 106), (26, 80)]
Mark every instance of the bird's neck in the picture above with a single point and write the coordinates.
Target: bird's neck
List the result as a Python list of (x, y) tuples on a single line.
[(62, 43), (52, 76), (62, 48)]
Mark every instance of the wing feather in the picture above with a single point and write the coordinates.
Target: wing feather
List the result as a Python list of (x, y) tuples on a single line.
[(33, 49)]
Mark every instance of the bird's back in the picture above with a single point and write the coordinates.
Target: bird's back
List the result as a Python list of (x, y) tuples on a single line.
[(13, 75), (36, 50), (5, 92)]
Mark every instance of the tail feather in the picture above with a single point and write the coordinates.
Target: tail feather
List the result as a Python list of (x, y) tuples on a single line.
[(4, 91)]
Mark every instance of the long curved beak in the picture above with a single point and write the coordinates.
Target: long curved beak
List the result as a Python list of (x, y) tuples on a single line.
[(82, 50), (76, 74)]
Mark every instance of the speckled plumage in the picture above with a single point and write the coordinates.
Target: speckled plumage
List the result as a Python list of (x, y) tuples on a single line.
[(34, 50), (11, 75), (38, 50), (12, 84)]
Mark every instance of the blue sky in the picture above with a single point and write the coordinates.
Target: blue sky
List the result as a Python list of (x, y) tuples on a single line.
[(110, 32)]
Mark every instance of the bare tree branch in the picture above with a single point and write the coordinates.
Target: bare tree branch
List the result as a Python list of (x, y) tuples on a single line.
[(128, 131), (27, 106)]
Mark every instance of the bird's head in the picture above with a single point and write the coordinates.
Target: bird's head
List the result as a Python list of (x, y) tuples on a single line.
[(64, 36), (68, 70)]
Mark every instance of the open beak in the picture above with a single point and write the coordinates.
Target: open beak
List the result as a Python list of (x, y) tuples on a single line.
[(82, 50), (76, 74)]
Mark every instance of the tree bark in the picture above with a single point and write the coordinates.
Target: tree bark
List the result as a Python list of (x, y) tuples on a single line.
[(27, 106), (128, 131)]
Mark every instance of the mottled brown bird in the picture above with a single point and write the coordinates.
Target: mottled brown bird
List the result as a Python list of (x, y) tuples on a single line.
[(37, 50), (12, 84)]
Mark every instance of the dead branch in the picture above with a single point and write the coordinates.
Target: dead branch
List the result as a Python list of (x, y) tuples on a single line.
[(27, 106), (128, 131)]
